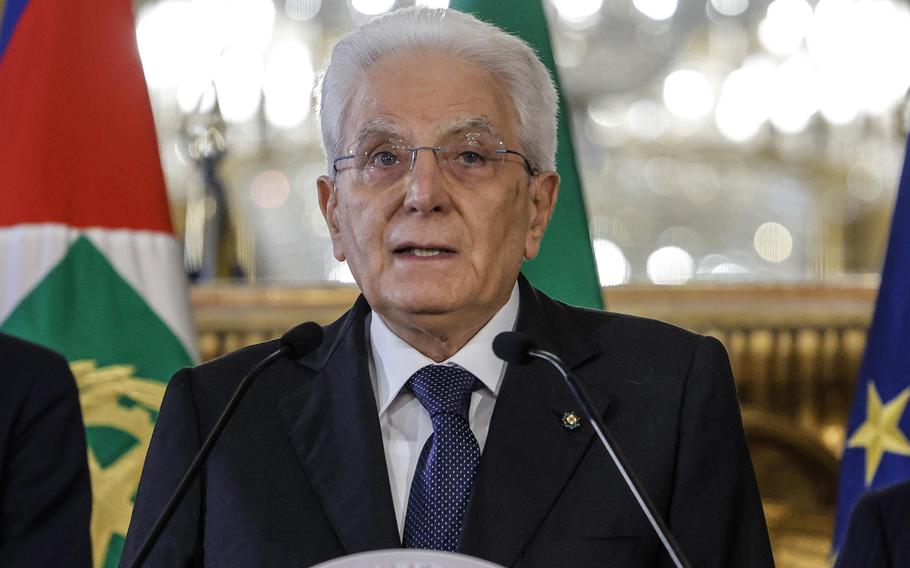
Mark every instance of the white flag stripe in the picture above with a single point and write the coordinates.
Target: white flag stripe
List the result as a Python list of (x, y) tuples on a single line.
[(33, 250), (150, 262)]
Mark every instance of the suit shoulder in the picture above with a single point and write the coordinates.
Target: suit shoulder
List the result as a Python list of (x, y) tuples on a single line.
[(630, 327), (892, 502), (30, 367), (239, 361)]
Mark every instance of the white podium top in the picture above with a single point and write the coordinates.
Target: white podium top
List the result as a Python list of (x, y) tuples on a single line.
[(405, 558)]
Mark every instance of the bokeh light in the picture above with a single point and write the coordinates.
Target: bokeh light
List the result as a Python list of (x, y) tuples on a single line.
[(433, 3), (577, 11), (287, 84), (656, 9), (238, 81), (613, 268), (270, 189), (372, 7), (795, 95), (670, 266), (744, 100), (785, 26), (302, 10), (730, 7), (688, 94), (773, 242)]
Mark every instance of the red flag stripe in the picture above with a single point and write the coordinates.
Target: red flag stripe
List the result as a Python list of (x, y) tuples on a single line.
[(77, 141)]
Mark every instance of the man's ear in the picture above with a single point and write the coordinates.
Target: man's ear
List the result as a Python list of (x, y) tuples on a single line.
[(544, 189), (328, 203)]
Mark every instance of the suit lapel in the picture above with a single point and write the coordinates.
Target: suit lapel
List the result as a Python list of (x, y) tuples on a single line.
[(334, 427), (529, 455)]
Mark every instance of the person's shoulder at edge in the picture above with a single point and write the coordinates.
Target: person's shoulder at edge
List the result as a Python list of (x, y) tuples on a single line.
[(879, 531)]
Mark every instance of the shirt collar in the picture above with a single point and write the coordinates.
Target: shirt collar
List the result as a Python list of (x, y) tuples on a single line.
[(395, 360)]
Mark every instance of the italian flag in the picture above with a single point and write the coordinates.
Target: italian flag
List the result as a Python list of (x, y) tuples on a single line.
[(565, 267), (88, 263)]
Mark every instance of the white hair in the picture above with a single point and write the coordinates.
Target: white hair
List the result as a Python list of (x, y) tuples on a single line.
[(419, 30)]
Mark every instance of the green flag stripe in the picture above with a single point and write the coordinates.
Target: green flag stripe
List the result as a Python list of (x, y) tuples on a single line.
[(85, 310), (565, 267)]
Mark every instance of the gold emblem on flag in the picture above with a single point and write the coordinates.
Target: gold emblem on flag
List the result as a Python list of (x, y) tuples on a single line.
[(116, 402)]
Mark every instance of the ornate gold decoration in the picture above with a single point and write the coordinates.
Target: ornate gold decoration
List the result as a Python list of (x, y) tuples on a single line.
[(570, 420), (100, 393)]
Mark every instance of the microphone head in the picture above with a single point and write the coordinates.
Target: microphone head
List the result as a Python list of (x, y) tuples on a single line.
[(513, 347), (302, 339)]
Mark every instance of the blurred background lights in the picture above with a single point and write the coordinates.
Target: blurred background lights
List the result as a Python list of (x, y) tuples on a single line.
[(603, 113), (372, 7), (612, 266), (196, 93), (688, 94), (785, 26), (433, 3), (341, 273), (719, 267), (730, 7), (287, 84), (729, 269), (687, 118), (302, 10), (162, 34), (242, 23), (647, 119), (670, 265), (656, 9), (773, 242), (795, 94), (864, 181), (744, 99), (577, 11), (860, 46), (270, 189), (238, 82)]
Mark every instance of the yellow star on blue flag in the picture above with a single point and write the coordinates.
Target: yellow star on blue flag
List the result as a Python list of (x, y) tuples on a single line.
[(880, 432), (877, 450)]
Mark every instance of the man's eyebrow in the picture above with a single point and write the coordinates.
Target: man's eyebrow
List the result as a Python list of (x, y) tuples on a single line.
[(472, 123), (376, 126)]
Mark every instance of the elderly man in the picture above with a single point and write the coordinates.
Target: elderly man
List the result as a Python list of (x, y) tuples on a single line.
[(403, 428)]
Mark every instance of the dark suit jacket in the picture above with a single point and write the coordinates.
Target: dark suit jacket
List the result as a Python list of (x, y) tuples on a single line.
[(45, 495), (300, 476), (879, 531)]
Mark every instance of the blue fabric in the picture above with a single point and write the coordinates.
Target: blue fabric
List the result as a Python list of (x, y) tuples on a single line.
[(879, 533), (448, 462), (11, 14), (885, 366)]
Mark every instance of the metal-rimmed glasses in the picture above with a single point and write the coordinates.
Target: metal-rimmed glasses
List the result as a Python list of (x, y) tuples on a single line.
[(380, 159)]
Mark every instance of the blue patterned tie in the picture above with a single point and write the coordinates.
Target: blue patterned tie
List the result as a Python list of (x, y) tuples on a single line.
[(446, 467)]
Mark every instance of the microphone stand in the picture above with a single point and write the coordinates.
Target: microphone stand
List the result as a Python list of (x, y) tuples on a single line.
[(203, 453), (663, 532)]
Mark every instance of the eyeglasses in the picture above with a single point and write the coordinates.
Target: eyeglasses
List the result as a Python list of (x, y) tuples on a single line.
[(380, 160)]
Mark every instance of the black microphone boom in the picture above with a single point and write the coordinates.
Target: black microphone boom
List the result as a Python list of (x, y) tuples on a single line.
[(519, 348), (295, 343)]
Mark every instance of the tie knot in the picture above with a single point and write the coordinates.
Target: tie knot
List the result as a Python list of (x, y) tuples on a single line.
[(443, 389)]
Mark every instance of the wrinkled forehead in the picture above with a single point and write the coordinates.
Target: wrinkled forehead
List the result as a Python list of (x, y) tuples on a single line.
[(388, 127), (424, 96)]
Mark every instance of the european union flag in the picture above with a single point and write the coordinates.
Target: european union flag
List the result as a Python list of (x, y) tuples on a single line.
[(877, 450)]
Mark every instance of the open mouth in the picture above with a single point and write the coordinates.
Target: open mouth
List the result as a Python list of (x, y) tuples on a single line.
[(423, 252)]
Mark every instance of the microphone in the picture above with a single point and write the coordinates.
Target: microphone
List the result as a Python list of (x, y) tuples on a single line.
[(520, 349), (295, 343)]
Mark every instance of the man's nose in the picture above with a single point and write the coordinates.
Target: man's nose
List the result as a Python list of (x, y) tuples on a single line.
[(427, 189)]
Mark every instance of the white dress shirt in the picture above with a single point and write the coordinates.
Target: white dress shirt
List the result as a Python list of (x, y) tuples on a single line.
[(404, 422)]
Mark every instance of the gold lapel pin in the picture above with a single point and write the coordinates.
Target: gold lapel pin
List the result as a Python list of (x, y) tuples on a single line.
[(571, 420)]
